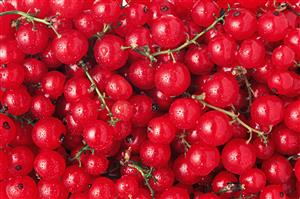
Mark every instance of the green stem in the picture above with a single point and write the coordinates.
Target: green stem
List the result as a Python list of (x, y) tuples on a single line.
[(31, 19), (235, 117), (146, 174), (184, 45), (80, 152), (101, 97)]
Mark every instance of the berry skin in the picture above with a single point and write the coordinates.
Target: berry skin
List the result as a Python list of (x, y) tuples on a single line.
[(203, 158), (297, 169), (221, 180), (214, 128), (3, 166), (221, 90), (161, 130), (154, 154), (185, 112), (141, 74), (51, 189), (278, 170), (17, 101), (203, 12), (102, 188), (286, 141), (48, 133), (283, 57), (106, 11), (10, 53), (198, 61), (32, 39), (251, 54), (292, 116), (272, 192), (238, 156), (8, 130), (70, 47), (127, 186), (118, 88), (174, 193), (108, 52), (142, 110), (240, 23), (95, 164), (254, 180), (98, 135), (42, 107), (87, 24), (12, 75), (172, 78), (20, 161), (183, 171), (21, 188), (76, 88), (164, 179), (48, 161), (267, 110), (34, 70), (272, 26), (67, 8), (168, 31), (222, 50), (75, 179), (292, 40), (53, 84)]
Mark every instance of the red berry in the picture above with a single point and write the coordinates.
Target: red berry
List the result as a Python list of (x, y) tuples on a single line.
[(238, 156), (108, 52), (272, 26), (70, 47), (168, 31), (98, 135), (48, 161), (172, 78), (48, 133), (221, 90), (67, 8), (203, 158)]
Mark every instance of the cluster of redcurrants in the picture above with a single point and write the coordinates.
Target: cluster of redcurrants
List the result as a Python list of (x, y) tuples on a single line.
[(166, 99)]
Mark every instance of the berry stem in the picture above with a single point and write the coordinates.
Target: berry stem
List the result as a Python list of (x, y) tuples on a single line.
[(241, 72), (101, 97), (146, 174), (31, 19), (234, 116), (106, 28), (231, 187), (188, 42), (80, 152)]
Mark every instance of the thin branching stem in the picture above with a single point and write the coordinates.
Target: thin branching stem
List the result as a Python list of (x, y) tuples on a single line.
[(151, 57), (235, 117), (101, 97), (31, 19)]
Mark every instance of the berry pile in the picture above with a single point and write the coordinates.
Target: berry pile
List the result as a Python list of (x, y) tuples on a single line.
[(144, 99)]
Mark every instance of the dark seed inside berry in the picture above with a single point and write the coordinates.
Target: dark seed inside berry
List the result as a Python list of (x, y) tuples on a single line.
[(62, 138), (6, 125), (281, 194), (20, 186), (129, 139), (146, 9), (236, 13), (18, 167), (164, 8), (155, 107)]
